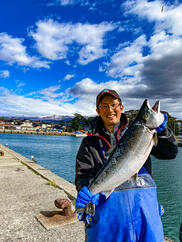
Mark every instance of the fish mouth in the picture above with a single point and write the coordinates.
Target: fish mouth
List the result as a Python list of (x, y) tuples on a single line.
[(146, 108), (156, 107)]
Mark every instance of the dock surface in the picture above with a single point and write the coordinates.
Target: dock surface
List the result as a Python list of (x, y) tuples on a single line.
[(24, 194)]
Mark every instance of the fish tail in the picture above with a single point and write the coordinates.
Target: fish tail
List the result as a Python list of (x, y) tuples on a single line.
[(90, 209), (79, 210)]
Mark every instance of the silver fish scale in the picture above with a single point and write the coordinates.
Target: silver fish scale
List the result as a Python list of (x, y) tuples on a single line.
[(109, 175)]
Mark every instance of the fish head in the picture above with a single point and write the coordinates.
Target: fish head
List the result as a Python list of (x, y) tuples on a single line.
[(150, 117)]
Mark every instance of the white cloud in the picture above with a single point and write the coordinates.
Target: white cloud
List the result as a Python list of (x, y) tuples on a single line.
[(54, 40), (127, 61), (62, 2), (84, 92), (51, 94), (20, 84), (157, 75), (66, 2), (150, 10), (13, 51), (166, 42), (4, 74), (81, 98), (88, 3), (68, 77), (27, 106), (162, 45), (167, 17), (87, 90)]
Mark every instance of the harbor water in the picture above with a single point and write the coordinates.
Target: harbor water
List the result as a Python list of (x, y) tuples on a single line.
[(58, 153)]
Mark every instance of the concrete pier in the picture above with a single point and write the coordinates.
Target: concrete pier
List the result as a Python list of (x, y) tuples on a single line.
[(25, 193)]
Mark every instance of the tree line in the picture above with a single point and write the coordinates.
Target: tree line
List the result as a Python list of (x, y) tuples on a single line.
[(80, 122)]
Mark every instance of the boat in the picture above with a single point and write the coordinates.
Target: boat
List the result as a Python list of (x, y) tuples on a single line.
[(80, 135)]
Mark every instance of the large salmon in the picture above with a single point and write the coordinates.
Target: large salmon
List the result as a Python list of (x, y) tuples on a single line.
[(130, 153), (132, 150)]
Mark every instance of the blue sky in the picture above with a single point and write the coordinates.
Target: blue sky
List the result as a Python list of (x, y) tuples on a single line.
[(57, 55)]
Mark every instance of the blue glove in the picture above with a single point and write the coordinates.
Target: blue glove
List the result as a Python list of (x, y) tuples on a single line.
[(163, 125), (83, 198)]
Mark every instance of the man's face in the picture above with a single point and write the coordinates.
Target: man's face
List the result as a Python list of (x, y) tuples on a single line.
[(110, 110)]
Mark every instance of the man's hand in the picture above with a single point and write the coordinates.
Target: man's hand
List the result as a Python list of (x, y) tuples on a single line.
[(84, 197), (163, 125)]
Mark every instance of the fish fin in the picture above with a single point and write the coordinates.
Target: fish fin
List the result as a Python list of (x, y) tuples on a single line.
[(155, 139), (88, 209), (107, 194)]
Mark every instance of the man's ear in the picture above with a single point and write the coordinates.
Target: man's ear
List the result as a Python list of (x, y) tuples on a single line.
[(97, 110), (122, 107)]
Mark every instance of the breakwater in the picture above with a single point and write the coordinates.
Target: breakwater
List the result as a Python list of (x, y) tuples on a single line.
[(6, 131), (58, 154), (26, 194), (61, 183), (30, 194)]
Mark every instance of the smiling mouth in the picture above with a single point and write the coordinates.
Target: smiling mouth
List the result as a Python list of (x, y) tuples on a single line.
[(111, 116)]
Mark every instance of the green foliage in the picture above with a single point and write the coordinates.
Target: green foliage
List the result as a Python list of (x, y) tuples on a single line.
[(51, 183), (62, 122), (25, 164), (180, 126), (79, 122), (173, 124), (75, 123), (73, 201)]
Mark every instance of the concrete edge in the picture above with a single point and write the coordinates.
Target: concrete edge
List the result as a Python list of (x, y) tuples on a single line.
[(45, 173)]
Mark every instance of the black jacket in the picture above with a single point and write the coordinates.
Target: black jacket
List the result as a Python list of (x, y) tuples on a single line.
[(97, 146)]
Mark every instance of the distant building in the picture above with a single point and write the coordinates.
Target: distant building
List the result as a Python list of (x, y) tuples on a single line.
[(26, 125), (46, 126), (6, 125)]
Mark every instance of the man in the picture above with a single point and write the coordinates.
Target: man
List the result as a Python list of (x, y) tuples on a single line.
[(130, 213)]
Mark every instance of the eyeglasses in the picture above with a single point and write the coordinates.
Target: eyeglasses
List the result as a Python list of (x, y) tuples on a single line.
[(112, 106)]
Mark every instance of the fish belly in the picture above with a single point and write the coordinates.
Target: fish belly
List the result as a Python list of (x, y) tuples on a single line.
[(128, 158)]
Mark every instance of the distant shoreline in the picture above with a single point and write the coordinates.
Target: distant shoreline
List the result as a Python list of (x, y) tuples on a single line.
[(2, 131)]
